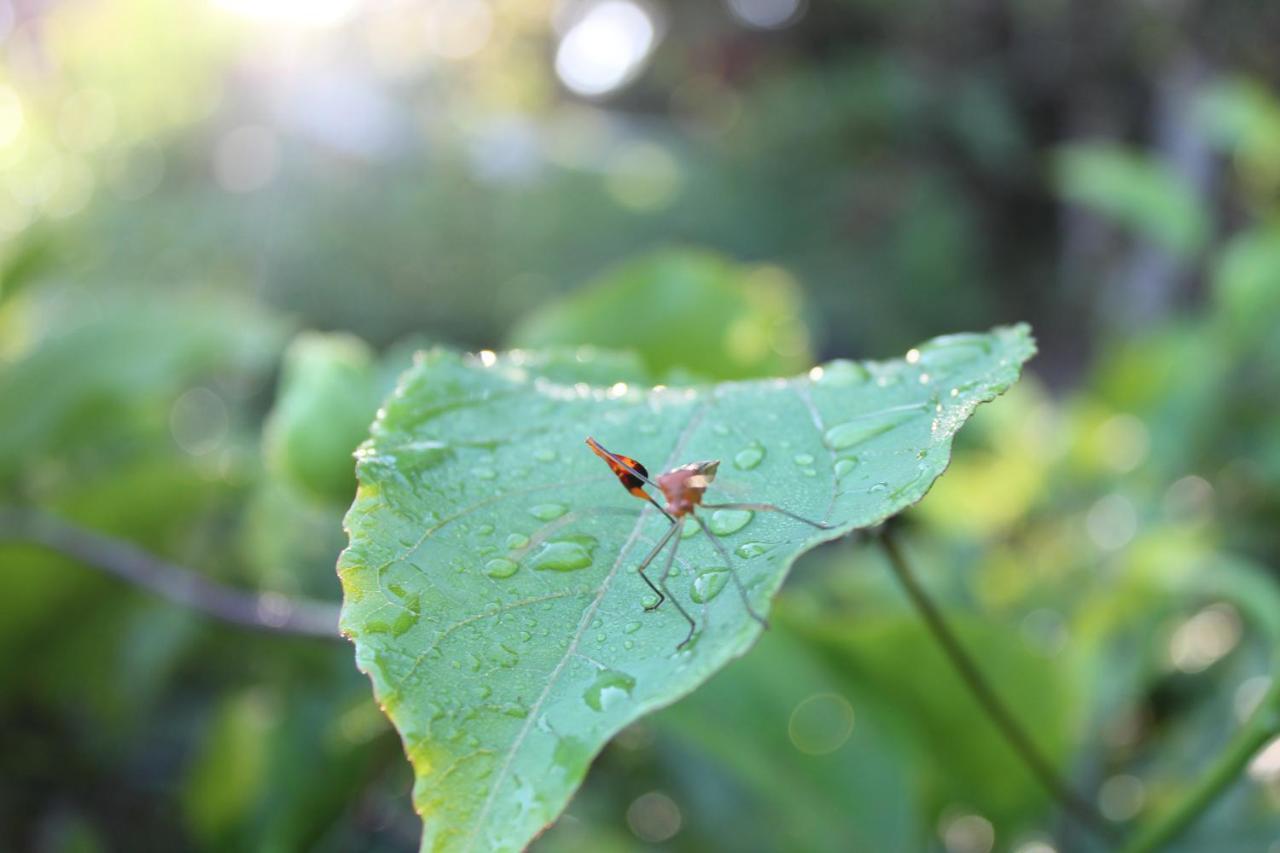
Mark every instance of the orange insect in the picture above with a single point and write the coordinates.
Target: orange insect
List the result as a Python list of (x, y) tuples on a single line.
[(683, 488)]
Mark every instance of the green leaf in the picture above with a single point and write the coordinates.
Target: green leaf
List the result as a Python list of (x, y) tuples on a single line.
[(684, 311), (1136, 191), (489, 581), (326, 400)]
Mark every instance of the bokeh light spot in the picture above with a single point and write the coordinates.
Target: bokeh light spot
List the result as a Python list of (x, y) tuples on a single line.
[(821, 724), (767, 14), (605, 48), (1121, 797), (654, 817), (198, 421)]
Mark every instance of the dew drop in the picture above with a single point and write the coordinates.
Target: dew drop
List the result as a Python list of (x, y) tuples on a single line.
[(708, 583), (689, 528), (485, 530), (726, 521), (749, 457), (844, 466), (548, 512), (803, 459), (631, 627), (878, 487), (747, 550), (843, 372), (517, 540), (565, 555), (609, 688), (866, 427), (649, 602), (500, 568), (809, 472), (628, 645)]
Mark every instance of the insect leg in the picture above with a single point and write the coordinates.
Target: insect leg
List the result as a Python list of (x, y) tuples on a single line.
[(737, 582), (666, 537), (662, 582), (821, 525), (670, 518)]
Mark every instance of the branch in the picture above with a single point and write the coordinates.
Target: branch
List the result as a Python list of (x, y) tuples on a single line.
[(986, 696), (1258, 731), (266, 611)]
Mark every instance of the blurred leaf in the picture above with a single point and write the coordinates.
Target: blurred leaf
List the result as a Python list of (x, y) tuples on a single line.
[(684, 310), (1244, 118), (1137, 191), (1247, 285), (96, 368), (482, 581), (822, 759), (897, 659), (326, 400)]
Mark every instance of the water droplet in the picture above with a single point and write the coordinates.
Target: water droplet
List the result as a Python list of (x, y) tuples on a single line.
[(878, 487), (631, 627), (809, 472), (485, 530), (565, 555), (867, 427), (844, 466), (726, 521), (803, 459), (747, 550), (500, 568), (843, 372), (548, 512), (649, 601), (720, 429), (689, 528), (484, 473), (628, 645), (609, 688), (708, 583), (544, 454), (517, 540), (483, 691), (749, 457), (406, 620)]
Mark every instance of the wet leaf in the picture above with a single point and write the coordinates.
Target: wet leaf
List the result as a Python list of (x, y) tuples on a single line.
[(490, 586)]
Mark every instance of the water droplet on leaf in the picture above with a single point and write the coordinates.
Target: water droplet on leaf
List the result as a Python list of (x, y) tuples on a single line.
[(708, 583), (726, 521), (548, 512), (500, 568), (608, 689)]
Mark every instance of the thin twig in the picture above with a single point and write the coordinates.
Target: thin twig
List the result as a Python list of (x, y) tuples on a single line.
[(264, 611), (986, 696)]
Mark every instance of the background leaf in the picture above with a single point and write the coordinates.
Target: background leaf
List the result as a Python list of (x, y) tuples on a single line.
[(486, 581), (684, 311)]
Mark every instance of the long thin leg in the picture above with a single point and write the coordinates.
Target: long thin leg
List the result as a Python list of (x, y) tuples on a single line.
[(666, 537), (728, 563), (669, 516), (662, 582), (821, 525)]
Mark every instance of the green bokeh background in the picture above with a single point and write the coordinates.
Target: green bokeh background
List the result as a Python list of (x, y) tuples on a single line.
[(226, 227)]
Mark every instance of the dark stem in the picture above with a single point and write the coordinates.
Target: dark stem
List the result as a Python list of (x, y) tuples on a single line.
[(986, 696), (266, 611)]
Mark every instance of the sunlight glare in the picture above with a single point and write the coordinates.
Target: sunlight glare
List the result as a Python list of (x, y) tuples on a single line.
[(302, 13)]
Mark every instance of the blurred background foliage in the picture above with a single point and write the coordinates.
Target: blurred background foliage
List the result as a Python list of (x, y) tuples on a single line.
[(226, 226)]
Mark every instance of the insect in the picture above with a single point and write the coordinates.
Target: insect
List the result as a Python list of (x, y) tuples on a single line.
[(682, 488)]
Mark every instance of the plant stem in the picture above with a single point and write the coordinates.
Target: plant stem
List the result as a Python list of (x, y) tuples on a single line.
[(982, 691), (1261, 727), (261, 611)]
